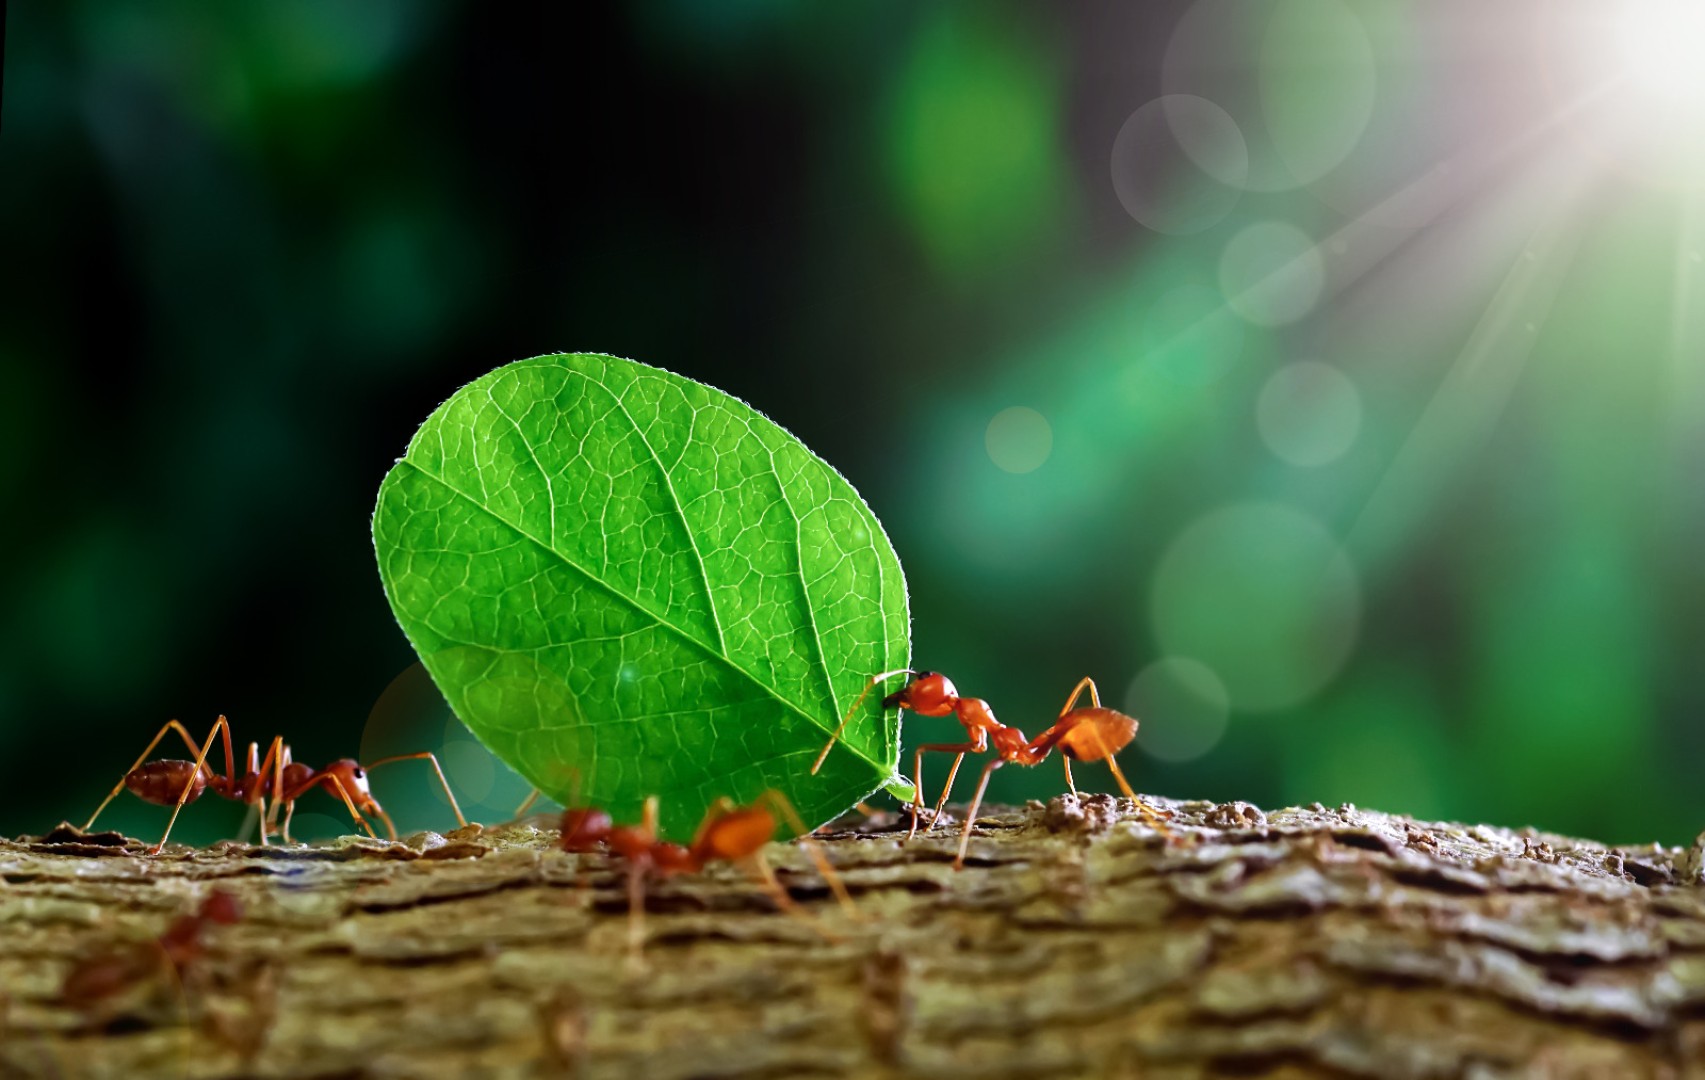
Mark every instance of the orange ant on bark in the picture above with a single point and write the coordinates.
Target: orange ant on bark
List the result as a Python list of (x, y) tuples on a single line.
[(728, 833), (1093, 733), (275, 778), (173, 953)]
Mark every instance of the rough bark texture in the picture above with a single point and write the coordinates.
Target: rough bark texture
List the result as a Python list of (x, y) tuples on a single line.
[(1076, 942)]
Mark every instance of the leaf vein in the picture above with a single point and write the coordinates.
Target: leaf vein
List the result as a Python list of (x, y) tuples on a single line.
[(642, 609)]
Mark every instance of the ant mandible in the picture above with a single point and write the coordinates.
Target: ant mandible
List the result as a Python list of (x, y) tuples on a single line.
[(99, 977), (1087, 734), (729, 833), (276, 777)]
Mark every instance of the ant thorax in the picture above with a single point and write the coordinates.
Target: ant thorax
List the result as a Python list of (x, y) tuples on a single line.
[(295, 772), (975, 713), (630, 842), (1011, 744), (670, 858)]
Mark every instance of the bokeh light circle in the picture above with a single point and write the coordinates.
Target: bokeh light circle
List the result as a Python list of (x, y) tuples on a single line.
[(1305, 68), (1181, 707), (1272, 273), (1019, 439), (1179, 164), (1309, 413), (470, 768), (1264, 596)]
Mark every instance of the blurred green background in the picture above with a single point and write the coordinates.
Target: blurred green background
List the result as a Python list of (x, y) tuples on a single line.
[(1327, 380)]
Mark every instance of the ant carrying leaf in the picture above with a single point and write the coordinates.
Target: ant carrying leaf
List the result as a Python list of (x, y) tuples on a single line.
[(728, 833), (1091, 733)]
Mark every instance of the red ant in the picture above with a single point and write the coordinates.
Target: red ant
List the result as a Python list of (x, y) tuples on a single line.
[(1089, 734), (728, 833), (276, 777), (99, 977)]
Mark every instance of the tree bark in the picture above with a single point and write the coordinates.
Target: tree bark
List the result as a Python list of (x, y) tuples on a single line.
[(1077, 941)]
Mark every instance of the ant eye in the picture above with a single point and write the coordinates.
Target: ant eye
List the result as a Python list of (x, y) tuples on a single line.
[(359, 772)]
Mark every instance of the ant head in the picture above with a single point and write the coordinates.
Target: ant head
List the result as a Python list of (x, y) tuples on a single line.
[(584, 828), (353, 777), (928, 694), (672, 859)]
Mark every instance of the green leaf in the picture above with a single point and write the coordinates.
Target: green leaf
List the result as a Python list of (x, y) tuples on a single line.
[(628, 584)]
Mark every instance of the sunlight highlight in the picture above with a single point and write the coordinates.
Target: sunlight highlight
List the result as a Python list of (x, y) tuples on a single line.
[(1662, 42)]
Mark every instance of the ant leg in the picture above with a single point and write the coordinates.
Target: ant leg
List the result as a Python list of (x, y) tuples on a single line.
[(1085, 683), (719, 808), (760, 868), (1070, 783), (337, 786), (189, 785), (918, 781), (976, 803), (835, 735), (289, 812), (430, 756), (170, 725), (946, 790), (636, 913), (813, 850), (917, 791), (275, 760), (1143, 808), (648, 816), (527, 803), (276, 755), (262, 809)]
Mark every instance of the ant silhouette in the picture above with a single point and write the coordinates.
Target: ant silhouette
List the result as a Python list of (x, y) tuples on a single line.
[(96, 978), (728, 833), (1092, 733), (275, 777)]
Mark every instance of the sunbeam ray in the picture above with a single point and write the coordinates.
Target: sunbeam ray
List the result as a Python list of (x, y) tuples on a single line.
[(1472, 395)]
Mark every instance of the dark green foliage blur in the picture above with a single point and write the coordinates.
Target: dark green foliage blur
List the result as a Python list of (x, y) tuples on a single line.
[(1324, 385)]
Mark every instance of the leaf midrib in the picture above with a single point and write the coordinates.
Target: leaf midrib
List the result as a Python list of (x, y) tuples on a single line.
[(637, 606)]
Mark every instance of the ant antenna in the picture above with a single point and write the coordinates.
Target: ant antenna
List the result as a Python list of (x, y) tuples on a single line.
[(445, 784), (845, 720)]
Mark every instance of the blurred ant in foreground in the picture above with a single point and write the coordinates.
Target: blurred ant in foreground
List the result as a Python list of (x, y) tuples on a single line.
[(174, 953), (728, 833), (1093, 733), (275, 777)]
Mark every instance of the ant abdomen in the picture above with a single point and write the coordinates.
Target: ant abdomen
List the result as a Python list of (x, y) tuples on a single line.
[(162, 782), (738, 833), (1098, 733)]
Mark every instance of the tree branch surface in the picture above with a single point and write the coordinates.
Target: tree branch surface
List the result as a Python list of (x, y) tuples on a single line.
[(1077, 941)]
